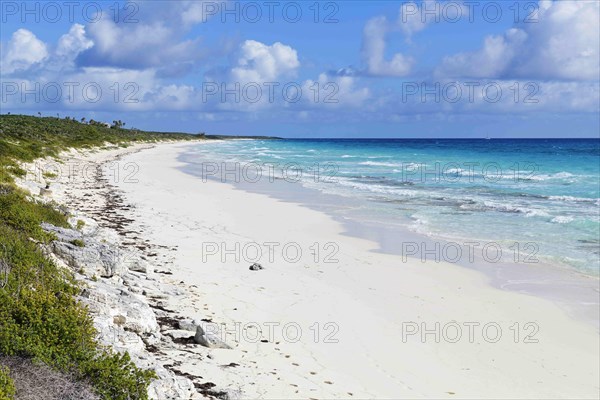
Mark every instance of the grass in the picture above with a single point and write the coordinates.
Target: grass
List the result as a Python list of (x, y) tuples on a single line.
[(40, 316), (35, 380), (78, 242)]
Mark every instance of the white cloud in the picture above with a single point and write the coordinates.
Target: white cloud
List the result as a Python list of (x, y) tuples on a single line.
[(413, 17), (491, 61), (507, 97), (23, 51), (140, 45), (182, 13), (72, 43), (334, 92), (151, 34), (258, 62), (373, 51), (562, 43)]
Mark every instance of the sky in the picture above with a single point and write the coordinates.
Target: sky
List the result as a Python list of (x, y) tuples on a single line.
[(370, 69)]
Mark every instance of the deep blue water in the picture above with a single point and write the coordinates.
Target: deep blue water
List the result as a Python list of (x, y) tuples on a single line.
[(504, 190)]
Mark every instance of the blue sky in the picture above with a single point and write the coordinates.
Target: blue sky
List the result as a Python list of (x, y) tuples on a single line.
[(309, 69)]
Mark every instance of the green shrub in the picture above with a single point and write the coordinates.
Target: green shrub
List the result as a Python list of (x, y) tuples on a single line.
[(25, 215), (7, 386), (80, 224), (40, 317), (116, 377), (78, 242)]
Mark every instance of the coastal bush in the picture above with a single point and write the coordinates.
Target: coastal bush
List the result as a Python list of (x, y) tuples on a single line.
[(7, 386), (25, 215), (41, 319)]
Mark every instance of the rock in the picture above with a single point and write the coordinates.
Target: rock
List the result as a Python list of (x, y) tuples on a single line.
[(123, 320), (118, 338), (169, 386), (256, 267), (152, 339), (178, 333), (188, 325), (112, 304), (96, 258), (137, 264), (62, 234), (210, 340)]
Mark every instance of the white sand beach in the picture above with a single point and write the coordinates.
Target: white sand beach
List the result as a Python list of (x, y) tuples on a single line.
[(365, 305), (340, 322)]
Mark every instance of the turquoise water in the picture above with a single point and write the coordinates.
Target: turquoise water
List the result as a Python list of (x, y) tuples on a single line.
[(540, 192)]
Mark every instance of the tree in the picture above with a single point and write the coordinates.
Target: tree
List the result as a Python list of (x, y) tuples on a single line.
[(118, 124)]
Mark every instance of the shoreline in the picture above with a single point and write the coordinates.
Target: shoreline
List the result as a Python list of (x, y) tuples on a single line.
[(366, 297), (364, 293), (571, 289)]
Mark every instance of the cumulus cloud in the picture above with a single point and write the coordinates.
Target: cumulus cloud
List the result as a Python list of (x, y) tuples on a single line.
[(335, 92), (182, 13), (72, 43), (22, 51), (141, 45), (373, 51), (25, 53), (563, 43), (149, 34), (412, 18), (258, 62), (503, 97)]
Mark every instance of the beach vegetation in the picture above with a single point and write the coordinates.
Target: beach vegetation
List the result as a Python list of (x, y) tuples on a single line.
[(78, 242), (7, 386), (41, 318)]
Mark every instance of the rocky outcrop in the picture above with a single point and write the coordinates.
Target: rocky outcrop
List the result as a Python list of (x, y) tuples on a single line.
[(125, 277), (209, 339), (87, 255), (123, 294)]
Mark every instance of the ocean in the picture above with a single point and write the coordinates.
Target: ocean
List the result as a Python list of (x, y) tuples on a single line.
[(538, 199)]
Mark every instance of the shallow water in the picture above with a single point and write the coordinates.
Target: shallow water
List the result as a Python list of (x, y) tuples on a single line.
[(537, 199)]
